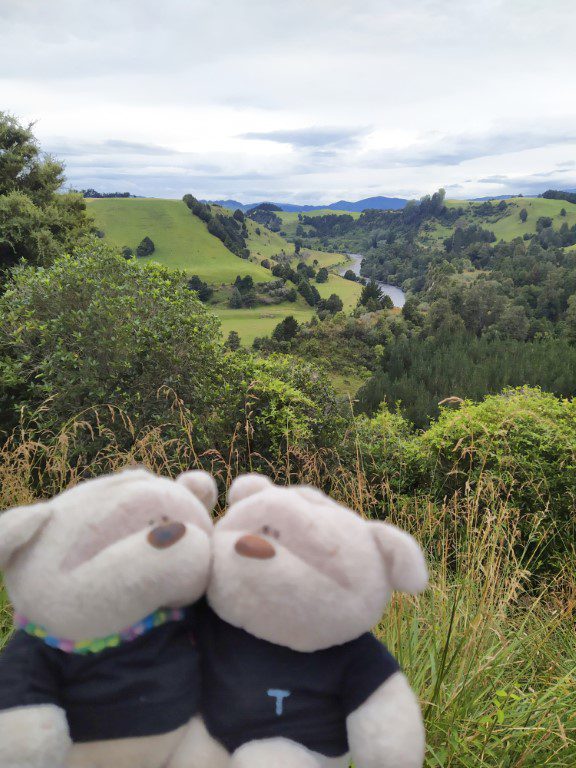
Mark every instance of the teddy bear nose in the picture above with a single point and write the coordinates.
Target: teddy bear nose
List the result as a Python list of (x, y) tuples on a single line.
[(255, 546), (164, 536)]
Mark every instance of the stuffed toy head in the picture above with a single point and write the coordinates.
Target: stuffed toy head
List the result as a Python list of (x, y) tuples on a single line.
[(108, 552), (293, 567)]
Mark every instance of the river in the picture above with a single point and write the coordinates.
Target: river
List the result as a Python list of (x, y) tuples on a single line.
[(396, 294)]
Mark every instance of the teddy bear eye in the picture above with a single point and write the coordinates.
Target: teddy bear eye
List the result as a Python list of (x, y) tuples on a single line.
[(165, 518), (269, 531), (151, 522)]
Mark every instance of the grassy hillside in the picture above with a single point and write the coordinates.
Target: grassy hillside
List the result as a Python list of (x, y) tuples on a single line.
[(290, 220), (181, 239), (261, 321), (508, 226)]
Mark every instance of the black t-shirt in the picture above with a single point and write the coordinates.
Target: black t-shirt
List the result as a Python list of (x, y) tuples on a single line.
[(145, 687), (253, 689)]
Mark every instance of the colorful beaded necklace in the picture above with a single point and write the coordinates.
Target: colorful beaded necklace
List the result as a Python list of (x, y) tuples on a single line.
[(156, 619)]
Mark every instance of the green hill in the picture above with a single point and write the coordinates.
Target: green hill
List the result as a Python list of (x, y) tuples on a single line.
[(182, 240), (508, 225)]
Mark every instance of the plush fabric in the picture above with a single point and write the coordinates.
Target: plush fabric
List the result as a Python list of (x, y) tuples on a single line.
[(297, 581), (260, 690), (101, 571), (148, 686)]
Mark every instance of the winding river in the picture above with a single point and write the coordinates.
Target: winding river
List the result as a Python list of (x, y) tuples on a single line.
[(396, 294)]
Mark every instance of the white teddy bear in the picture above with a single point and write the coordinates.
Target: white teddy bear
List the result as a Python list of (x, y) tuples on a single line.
[(291, 676), (102, 671)]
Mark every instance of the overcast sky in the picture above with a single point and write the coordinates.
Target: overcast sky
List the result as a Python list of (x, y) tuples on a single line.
[(306, 100)]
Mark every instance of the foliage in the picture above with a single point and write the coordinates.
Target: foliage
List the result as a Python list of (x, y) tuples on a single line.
[(489, 649), (95, 328), (233, 341), (145, 248), (552, 194), (265, 214), (202, 289), (181, 241), (286, 329), (332, 304), (36, 223), (420, 372), (231, 230), (523, 441)]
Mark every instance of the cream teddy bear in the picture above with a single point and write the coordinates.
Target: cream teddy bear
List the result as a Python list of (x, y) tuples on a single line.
[(292, 678), (102, 671)]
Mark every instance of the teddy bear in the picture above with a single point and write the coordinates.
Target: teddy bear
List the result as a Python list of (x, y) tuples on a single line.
[(102, 670), (292, 677)]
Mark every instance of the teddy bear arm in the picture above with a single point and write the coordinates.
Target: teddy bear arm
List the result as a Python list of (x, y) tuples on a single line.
[(279, 752), (198, 749), (387, 731), (34, 737)]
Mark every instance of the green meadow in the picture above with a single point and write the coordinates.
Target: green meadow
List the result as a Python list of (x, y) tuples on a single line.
[(509, 226), (290, 220), (181, 240)]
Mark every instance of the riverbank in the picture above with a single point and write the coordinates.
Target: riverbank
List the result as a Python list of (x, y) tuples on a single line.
[(396, 294)]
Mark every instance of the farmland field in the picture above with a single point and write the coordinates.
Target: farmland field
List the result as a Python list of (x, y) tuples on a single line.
[(182, 240), (507, 227)]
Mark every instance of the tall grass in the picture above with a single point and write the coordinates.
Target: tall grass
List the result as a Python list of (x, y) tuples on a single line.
[(490, 649)]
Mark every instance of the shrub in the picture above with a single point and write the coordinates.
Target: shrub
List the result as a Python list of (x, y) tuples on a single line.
[(146, 248), (523, 441)]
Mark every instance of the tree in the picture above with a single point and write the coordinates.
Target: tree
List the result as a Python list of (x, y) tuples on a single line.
[(333, 304), (96, 329), (233, 341), (286, 329), (145, 248), (322, 276), (570, 320), (309, 293), (239, 216), (563, 212), (203, 290), (235, 301), (127, 252), (410, 311), (265, 263), (523, 215), (36, 223), (350, 275), (244, 284)]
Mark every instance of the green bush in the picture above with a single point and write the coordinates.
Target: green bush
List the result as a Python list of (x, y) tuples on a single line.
[(523, 441)]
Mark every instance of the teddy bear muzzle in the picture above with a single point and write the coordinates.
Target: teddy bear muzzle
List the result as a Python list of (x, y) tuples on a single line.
[(164, 536), (255, 547)]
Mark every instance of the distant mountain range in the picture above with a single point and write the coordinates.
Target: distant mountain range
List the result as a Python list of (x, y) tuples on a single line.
[(379, 203)]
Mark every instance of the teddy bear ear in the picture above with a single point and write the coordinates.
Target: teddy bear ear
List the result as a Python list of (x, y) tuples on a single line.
[(202, 485), (18, 526), (247, 485), (403, 558)]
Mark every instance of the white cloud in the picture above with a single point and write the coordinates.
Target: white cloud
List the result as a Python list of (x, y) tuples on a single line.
[(326, 98)]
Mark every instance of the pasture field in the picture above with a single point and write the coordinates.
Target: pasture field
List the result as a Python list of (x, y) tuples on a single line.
[(348, 290), (509, 226), (260, 321), (182, 240), (290, 220)]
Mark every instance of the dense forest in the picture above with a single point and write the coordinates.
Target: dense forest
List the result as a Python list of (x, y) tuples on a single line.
[(481, 313)]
